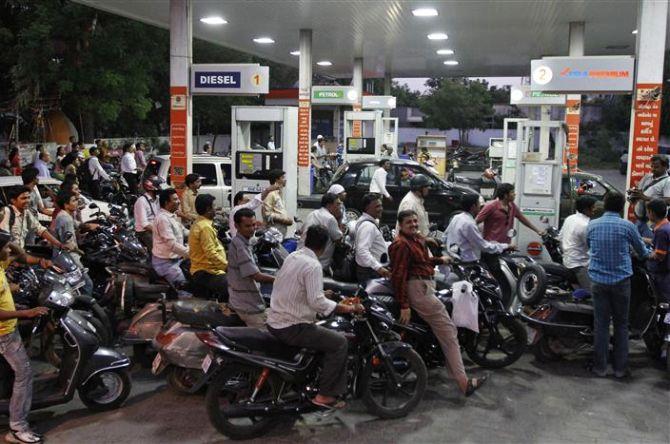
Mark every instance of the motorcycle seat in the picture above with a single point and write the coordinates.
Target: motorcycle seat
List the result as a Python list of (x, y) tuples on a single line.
[(346, 288), (149, 291), (135, 268), (252, 340), (573, 307), (558, 270), (204, 314)]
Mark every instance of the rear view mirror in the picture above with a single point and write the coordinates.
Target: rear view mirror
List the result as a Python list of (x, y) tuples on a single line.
[(511, 233)]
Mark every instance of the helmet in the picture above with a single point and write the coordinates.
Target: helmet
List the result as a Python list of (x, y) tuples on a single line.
[(5, 237), (419, 181), (319, 137), (152, 183)]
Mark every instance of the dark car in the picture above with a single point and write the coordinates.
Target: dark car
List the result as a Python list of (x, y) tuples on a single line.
[(584, 184), (355, 177)]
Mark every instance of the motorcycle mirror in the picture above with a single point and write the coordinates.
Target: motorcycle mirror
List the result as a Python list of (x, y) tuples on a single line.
[(93, 206), (511, 233)]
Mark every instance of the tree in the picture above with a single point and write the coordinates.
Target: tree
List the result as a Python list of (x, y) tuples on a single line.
[(457, 103)]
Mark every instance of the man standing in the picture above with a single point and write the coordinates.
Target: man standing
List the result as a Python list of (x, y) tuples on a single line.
[(371, 251), (140, 160), (499, 214), (609, 239), (573, 241), (193, 183), (297, 297), (414, 286), (96, 171), (659, 261), (244, 277), (42, 164), (320, 149), (327, 216), (463, 231), (242, 201), (208, 258), (419, 188), (145, 210), (378, 182), (168, 241), (654, 185), (129, 167), (207, 149), (30, 178), (274, 210)]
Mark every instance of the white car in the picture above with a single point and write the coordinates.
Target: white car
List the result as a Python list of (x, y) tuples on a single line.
[(50, 187), (215, 171)]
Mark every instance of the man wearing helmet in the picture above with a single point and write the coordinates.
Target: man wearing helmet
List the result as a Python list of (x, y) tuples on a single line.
[(419, 187), (145, 210)]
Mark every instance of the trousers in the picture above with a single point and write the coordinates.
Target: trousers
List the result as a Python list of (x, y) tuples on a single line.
[(12, 349), (610, 302)]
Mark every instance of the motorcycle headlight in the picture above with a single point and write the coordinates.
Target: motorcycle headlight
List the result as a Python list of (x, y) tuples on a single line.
[(73, 277), (60, 298)]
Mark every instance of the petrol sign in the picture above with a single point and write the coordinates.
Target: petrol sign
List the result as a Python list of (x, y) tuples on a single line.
[(583, 74), (334, 95), (230, 79)]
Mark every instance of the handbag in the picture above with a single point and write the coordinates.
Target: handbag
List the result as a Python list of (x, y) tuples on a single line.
[(466, 311), (344, 259)]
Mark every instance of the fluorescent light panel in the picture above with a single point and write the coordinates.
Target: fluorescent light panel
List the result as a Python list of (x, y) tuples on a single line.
[(424, 12), (451, 62), (445, 51), (437, 36), (214, 20), (263, 40), (295, 53), (324, 63)]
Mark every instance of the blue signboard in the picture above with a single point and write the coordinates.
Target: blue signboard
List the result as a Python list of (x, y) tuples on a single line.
[(241, 79), (222, 79)]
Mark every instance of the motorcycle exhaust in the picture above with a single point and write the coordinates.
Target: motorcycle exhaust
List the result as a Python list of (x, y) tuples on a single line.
[(293, 408)]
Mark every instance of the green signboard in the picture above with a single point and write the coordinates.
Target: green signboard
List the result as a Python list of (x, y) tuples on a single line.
[(326, 94), (543, 94)]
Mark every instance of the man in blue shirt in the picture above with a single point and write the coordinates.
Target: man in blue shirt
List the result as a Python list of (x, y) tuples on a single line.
[(659, 261), (610, 268)]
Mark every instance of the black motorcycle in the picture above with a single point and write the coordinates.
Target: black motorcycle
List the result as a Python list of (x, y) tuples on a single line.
[(257, 381), (99, 374)]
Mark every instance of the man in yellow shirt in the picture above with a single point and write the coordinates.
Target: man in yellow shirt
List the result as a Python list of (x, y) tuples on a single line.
[(12, 349), (208, 258)]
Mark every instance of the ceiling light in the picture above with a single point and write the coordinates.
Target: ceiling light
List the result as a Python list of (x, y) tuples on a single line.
[(634, 31), (263, 40), (424, 12), (295, 53), (324, 63), (214, 20), (451, 62), (445, 51), (437, 36)]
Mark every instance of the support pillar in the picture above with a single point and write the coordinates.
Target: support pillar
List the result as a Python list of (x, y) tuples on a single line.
[(181, 38), (358, 82), (573, 103), (645, 119), (387, 90), (304, 113)]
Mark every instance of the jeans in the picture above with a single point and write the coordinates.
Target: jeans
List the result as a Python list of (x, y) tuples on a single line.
[(170, 270), (208, 285), (11, 348), (333, 345), (662, 285), (610, 301), (582, 276)]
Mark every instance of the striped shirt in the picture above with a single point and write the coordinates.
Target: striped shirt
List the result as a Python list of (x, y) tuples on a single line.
[(297, 294), (609, 238), (245, 293)]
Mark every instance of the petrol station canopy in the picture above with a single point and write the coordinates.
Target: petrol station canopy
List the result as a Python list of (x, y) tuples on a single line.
[(488, 37)]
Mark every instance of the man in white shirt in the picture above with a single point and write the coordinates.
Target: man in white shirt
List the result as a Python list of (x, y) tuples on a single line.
[(655, 185), (327, 216), (42, 164), (129, 167), (419, 187), (463, 231), (169, 249), (96, 171), (297, 297), (378, 182), (242, 201), (145, 211), (574, 243), (320, 147), (271, 143), (370, 246)]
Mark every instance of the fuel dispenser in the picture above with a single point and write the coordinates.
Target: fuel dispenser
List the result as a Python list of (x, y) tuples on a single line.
[(390, 134), (252, 127), (437, 146), (363, 134), (539, 174), (509, 144)]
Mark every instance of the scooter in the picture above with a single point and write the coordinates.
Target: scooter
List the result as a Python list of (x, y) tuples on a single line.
[(99, 374)]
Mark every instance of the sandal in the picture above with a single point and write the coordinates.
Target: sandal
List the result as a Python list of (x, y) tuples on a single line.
[(335, 405), (472, 387)]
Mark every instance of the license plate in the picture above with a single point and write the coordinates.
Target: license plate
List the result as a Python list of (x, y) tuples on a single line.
[(206, 363), (156, 364), (667, 318)]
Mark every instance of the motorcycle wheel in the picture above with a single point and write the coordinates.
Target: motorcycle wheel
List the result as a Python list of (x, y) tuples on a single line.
[(543, 352), (232, 387), (498, 345), (378, 390), (653, 342), (106, 391), (182, 380), (532, 285)]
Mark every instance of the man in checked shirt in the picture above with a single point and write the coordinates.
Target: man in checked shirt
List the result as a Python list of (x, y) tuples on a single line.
[(412, 278)]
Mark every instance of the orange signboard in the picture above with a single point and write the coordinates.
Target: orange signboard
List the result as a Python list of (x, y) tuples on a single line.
[(178, 125), (647, 123), (304, 108), (572, 119)]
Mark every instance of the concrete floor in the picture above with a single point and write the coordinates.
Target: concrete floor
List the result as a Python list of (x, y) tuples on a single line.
[(528, 402)]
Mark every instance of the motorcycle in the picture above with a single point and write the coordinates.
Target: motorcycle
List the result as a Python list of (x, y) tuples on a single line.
[(256, 381), (99, 374)]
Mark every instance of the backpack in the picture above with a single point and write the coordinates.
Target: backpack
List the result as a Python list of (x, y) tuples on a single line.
[(84, 175), (344, 259)]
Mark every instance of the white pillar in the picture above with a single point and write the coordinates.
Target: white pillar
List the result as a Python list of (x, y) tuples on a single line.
[(646, 111), (358, 82), (181, 37), (387, 90), (574, 101), (304, 112)]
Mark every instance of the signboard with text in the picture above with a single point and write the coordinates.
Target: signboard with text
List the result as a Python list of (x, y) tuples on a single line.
[(583, 74), (378, 102), (523, 95), (223, 79), (647, 124), (303, 132), (333, 95), (178, 125), (572, 120)]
